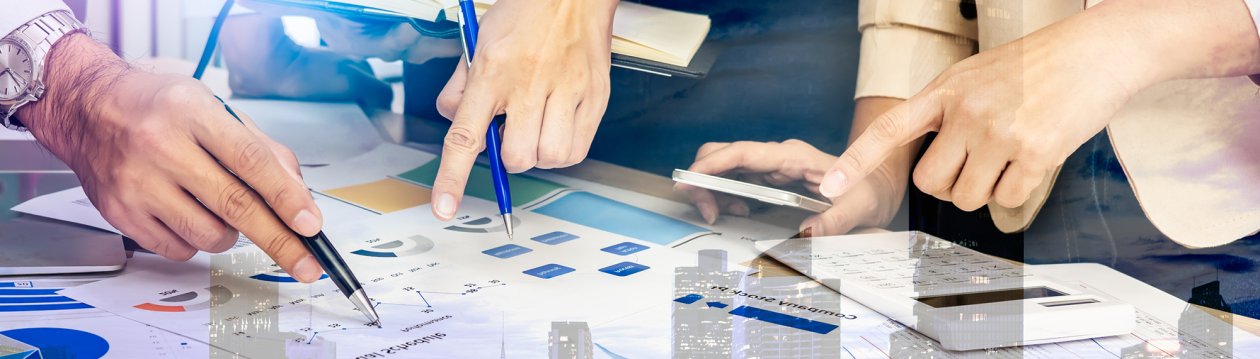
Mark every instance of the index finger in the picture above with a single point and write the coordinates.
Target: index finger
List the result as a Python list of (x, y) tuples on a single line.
[(463, 142), (251, 159), (895, 128)]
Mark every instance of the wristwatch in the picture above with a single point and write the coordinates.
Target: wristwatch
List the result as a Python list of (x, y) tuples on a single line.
[(22, 56)]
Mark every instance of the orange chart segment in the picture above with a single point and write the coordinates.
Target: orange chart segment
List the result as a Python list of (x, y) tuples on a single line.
[(160, 308), (383, 196)]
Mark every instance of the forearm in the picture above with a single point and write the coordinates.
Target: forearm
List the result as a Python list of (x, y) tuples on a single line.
[(1152, 41), (78, 73)]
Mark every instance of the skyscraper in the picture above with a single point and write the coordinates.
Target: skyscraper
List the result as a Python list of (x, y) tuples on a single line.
[(570, 340), (701, 333)]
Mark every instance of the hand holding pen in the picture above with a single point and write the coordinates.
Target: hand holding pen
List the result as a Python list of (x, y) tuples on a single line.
[(553, 94)]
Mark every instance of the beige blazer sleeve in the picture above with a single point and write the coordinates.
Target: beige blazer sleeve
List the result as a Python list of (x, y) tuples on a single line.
[(907, 43)]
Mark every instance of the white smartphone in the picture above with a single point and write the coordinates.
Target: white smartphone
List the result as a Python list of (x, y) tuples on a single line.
[(749, 190)]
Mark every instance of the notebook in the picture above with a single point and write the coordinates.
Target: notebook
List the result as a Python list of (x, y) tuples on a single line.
[(655, 35)]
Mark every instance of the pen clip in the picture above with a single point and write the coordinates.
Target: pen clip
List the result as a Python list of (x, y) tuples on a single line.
[(463, 39)]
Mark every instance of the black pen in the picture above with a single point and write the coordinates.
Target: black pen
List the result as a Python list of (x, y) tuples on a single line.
[(340, 274), (337, 269)]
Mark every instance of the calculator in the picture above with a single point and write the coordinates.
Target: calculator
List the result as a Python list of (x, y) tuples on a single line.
[(964, 299)]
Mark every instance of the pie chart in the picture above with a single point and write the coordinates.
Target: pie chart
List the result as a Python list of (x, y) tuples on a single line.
[(187, 302), (31, 343), (483, 225), (279, 276), (398, 248)]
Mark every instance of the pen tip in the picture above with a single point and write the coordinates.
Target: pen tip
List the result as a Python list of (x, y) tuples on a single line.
[(507, 224)]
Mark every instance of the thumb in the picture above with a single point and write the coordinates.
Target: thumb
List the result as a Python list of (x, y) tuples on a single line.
[(895, 128)]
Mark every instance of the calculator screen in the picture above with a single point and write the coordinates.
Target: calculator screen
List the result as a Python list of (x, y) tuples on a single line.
[(954, 300)]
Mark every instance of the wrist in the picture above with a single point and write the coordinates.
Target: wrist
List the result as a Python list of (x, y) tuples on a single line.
[(1169, 40), (77, 74)]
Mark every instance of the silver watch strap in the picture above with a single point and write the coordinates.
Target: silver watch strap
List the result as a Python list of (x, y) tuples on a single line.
[(39, 35)]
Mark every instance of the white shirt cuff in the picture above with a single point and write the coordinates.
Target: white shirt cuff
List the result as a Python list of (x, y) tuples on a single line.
[(18, 12)]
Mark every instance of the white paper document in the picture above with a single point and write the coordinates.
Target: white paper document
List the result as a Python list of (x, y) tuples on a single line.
[(36, 322), (319, 133)]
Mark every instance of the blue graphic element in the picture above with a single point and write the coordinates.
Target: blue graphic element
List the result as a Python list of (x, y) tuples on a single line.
[(280, 278), (34, 299), (718, 305), (625, 248), (22, 297), (41, 291), (549, 271), (601, 213), (507, 251), (554, 238), (60, 343), (602, 349), (784, 320), (624, 269), (42, 307), (689, 299), (367, 253)]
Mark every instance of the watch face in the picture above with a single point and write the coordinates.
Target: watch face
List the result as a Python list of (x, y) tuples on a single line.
[(16, 70)]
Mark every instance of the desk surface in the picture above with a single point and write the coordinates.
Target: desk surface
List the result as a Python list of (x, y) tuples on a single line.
[(391, 126)]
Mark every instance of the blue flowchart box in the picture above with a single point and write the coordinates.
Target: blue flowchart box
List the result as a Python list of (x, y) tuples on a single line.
[(624, 269), (595, 211), (625, 248), (507, 251), (549, 271), (554, 238)]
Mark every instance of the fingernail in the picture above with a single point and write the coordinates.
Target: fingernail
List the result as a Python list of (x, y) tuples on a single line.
[(307, 270), (832, 183), (708, 214), (307, 224), (740, 209), (445, 206), (809, 228)]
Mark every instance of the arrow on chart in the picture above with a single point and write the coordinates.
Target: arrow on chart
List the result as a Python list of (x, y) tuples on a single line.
[(716, 305)]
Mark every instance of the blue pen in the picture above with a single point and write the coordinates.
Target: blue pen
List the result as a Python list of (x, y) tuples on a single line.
[(468, 27)]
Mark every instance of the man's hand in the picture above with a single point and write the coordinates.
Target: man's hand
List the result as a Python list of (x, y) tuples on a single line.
[(872, 203), (166, 164), (545, 64)]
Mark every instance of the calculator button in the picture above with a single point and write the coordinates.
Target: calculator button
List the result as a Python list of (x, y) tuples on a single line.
[(869, 277), (1014, 274), (888, 285)]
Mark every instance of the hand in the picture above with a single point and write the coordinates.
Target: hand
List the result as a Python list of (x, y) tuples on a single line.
[(545, 64), (166, 164), (1009, 116), (387, 40), (266, 63), (871, 203)]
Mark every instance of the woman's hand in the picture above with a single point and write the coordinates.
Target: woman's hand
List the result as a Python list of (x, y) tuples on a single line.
[(545, 63), (793, 163), (1008, 116)]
